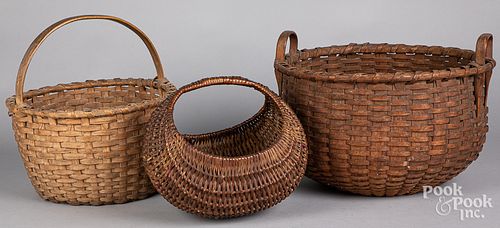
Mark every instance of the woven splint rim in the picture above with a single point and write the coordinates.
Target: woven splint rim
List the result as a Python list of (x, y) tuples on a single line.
[(98, 112), (405, 76)]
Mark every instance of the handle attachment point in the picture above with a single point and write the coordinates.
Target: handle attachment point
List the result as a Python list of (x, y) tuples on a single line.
[(484, 51)]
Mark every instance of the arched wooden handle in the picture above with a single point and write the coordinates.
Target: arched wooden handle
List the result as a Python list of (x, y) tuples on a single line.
[(484, 52), (224, 80), (281, 52), (23, 68), (281, 45)]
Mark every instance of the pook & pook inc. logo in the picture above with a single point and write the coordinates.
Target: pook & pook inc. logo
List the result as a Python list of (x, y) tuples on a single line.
[(451, 198)]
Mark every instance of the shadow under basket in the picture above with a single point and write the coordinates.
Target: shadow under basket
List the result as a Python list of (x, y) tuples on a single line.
[(229, 173), (387, 119), (81, 142)]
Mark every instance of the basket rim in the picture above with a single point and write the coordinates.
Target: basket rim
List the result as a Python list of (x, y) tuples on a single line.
[(185, 138), (13, 108), (281, 149), (403, 76)]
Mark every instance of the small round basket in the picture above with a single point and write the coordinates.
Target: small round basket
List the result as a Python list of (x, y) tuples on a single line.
[(232, 172), (81, 142), (387, 119)]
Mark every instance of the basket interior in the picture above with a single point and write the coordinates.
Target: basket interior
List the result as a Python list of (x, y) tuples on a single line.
[(370, 63), (89, 98), (250, 137)]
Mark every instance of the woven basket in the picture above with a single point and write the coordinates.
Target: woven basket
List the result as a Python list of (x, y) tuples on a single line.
[(387, 119), (81, 142), (232, 172)]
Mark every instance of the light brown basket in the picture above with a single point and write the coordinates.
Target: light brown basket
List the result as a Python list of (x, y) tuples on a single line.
[(81, 142), (233, 172), (387, 119)]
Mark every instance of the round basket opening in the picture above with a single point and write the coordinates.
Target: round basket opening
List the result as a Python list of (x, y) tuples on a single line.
[(91, 96), (256, 134), (359, 59)]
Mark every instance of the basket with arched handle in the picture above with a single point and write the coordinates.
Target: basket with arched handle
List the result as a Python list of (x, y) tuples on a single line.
[(233, 172), (81, 142)]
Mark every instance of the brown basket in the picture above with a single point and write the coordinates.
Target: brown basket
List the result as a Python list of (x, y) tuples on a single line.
[(387, 119), (80, 142), (232, 172)]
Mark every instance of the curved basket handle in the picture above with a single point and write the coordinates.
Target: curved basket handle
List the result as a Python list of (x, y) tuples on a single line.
[(281, 49), (224, 80), (484, 52), (23, 68), (281, 45)]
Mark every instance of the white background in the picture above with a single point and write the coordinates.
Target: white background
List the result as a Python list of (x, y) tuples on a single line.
[(197, 39)]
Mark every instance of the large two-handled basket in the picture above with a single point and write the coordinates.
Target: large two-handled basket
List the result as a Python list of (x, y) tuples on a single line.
[(81, 142), (233, 172), (387, 119)]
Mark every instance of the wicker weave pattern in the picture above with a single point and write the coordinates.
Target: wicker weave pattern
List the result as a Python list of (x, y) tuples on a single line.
[(81, 142), (385, 120), (229, 173)]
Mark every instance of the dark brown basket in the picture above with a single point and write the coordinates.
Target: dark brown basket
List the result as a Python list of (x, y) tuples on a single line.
[(80, 142), (387, 119), (232, 172)]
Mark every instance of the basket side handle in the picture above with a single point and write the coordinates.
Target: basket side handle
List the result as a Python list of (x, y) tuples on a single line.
[(222, 80), (23, 68), (280, 53), (484, 52)]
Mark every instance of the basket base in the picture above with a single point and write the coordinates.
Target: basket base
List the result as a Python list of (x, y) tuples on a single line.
[(381, 190), (98, 202)]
